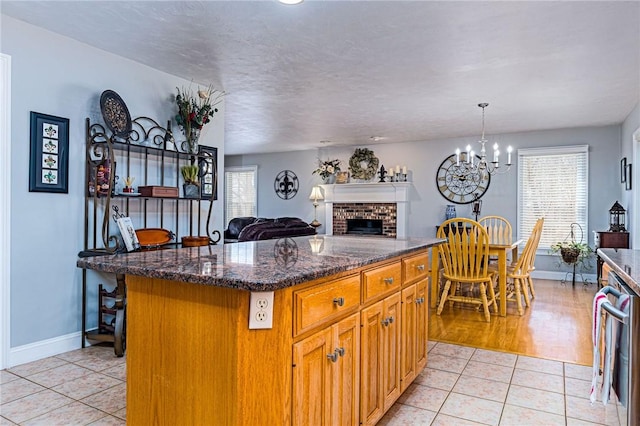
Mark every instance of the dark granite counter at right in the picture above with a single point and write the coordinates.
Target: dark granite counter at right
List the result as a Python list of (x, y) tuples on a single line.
[(625, 263)]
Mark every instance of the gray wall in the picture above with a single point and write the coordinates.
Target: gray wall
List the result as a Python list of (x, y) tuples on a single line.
[(427, 206), (56, 75), (631, 150)]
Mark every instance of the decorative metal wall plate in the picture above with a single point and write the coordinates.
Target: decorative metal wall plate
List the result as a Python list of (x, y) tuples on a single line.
[(115, 113), (286, 184)]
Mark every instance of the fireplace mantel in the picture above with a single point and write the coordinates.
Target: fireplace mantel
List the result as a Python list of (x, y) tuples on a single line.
[(388, 192)]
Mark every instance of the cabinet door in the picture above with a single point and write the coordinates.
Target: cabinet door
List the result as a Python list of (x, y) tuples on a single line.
[(346, 375), (408, 350), (391, 349), (422, 325), (371, 364), (312, 379)]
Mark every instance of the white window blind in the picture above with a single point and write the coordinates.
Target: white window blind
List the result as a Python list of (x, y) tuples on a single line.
[(241, 192), (553, 183)]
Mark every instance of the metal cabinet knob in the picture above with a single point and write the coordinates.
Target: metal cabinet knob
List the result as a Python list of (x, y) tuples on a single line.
[(340, 351), (338, 301), (388, 280), (333, 357), (420, 268)]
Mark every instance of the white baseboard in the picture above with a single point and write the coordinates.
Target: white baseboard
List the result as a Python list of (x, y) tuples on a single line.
[(43, 349), (559, 275)]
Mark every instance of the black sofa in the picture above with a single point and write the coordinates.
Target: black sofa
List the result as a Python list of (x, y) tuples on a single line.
[(254, 229)]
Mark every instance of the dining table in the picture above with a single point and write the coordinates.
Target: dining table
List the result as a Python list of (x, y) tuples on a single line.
[(499, 250)]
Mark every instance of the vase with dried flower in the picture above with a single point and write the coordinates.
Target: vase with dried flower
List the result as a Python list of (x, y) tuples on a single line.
[(193, 113)]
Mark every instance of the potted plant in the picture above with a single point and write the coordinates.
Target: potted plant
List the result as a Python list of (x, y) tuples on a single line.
[(572, 252), (191, 187)]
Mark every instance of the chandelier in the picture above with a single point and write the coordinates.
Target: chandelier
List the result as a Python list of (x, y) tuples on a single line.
[(482, 166)]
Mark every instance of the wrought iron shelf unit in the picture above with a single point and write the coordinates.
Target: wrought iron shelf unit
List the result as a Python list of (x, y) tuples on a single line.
[(149, 152)]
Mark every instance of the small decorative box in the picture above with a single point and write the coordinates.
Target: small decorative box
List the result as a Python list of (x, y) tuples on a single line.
[(158, 191)]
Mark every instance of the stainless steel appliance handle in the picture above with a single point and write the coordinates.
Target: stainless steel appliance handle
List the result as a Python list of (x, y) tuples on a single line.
[(617, 313), (611, 290)]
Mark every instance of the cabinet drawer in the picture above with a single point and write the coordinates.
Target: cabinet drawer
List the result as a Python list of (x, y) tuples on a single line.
[(315, 305), (415, 267), (381, 280)]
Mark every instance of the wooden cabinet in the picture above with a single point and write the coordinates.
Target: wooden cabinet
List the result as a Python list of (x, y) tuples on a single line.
[(414, 332), (325, 379), (606, 239), (380, 358), (332, 357)]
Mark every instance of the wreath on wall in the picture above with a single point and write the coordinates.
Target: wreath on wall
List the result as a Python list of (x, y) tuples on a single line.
[(363, 164)]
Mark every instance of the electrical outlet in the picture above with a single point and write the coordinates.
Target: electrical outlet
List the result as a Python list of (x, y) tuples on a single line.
[(261, 310)]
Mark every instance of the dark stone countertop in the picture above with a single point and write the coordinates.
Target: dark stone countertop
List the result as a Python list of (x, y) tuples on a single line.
[(625, 263), (258, 265)]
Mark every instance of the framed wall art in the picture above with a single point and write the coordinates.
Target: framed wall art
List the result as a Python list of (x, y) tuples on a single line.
[(623, 170), (628, 178), (208, 172), (49, 154)]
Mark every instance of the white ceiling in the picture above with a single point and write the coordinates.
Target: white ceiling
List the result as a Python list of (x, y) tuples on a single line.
[(343, 71)]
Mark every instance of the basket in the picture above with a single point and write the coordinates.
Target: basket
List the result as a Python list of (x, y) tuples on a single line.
[(569, 255)]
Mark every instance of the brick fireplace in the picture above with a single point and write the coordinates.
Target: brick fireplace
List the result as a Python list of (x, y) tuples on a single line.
[(378, 201), (386, 212)]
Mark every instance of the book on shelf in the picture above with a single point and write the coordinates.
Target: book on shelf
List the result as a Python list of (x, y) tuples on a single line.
[(128, 233)]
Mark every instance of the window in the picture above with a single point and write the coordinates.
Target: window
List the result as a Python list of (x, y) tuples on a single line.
[(553, 183), (241, 192)]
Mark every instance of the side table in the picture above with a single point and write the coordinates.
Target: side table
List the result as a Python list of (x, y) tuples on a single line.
[(607, 239)]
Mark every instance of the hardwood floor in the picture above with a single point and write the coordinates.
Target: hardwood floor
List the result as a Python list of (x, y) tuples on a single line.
[(556, 326)]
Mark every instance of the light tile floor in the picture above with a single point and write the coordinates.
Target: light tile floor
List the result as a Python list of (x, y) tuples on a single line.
[(460, 386)]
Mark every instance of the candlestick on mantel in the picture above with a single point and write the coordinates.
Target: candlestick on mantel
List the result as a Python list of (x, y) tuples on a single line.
[(404, 170)]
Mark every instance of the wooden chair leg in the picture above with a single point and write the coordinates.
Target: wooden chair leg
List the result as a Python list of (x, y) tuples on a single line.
[(530, 282), (494, 301), (516, 284), (525, 291), (485, 305), (445, 296)]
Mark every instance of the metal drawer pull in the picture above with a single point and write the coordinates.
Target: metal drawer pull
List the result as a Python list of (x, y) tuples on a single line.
[(390, 320), (333, 357), (340, 351), (385, 322), (420, 300), (388, 280), (420, 268), (338, 301)]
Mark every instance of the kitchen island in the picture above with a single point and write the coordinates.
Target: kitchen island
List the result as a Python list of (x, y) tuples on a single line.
[(348, 329), (625, 263)]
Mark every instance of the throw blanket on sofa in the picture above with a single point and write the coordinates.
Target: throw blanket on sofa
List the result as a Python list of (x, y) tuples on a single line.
[(278, 228)]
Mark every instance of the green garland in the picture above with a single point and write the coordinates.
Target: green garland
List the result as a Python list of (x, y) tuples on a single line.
[(363, 156)]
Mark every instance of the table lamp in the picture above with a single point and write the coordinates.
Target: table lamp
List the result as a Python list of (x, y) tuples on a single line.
[(316, 195)]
